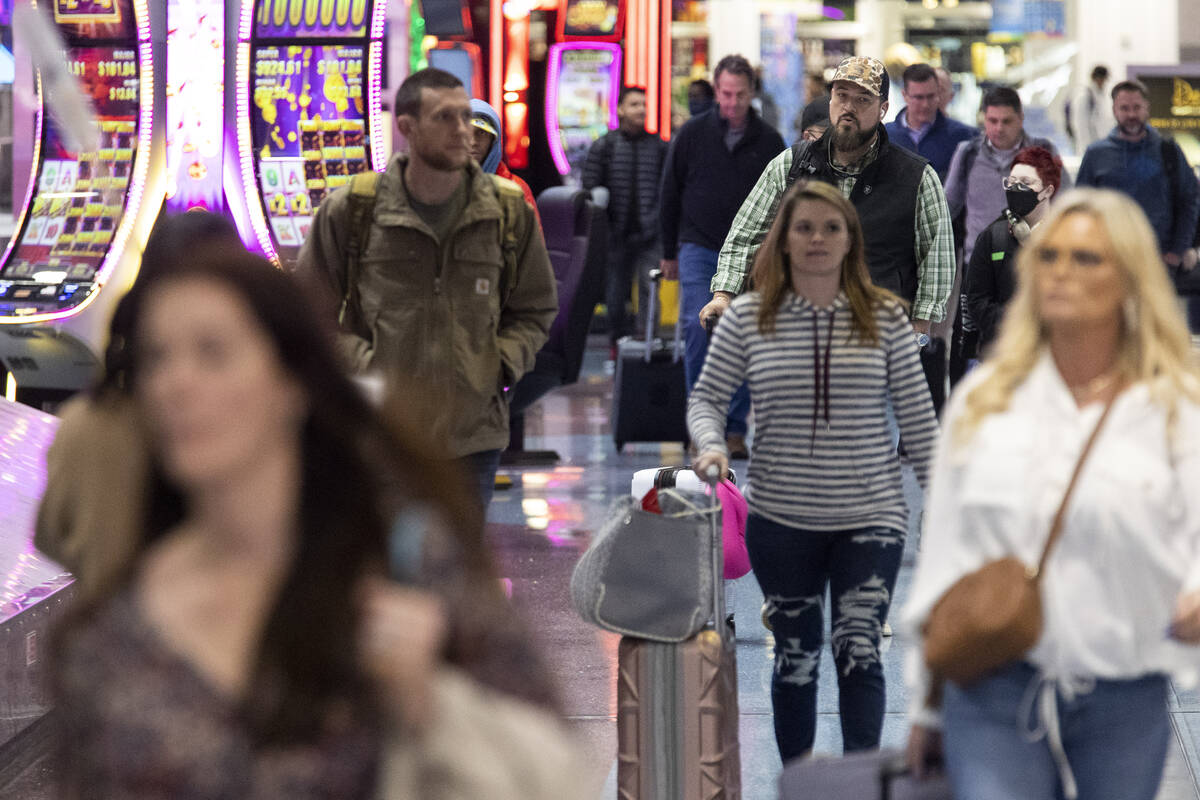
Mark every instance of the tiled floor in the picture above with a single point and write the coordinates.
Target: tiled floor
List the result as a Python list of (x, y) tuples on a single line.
[(542, 524)]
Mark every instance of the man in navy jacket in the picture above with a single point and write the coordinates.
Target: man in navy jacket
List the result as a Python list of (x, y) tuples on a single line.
[(921, 126), (1135, 159), (714, 161)]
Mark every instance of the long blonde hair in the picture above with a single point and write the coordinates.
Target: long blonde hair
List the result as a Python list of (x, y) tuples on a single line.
[(772, 277), (1155, 346)]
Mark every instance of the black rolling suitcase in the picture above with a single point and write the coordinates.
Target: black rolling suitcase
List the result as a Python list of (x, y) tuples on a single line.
[(650, 388)]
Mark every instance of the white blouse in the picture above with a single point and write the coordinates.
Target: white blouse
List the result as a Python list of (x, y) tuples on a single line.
[(1131, 538)]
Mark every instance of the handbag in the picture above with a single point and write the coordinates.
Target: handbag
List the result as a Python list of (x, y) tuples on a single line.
[(481, 743), (648, 575), (993, 616)]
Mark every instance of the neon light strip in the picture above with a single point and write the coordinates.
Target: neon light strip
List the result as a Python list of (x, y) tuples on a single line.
[(643, 45), (653, 72), (137, 180), (496, 56), (379, 158), (378, 19), (552, 88), (258, 220), (375, 104), (33, 171), (632, 44), (664, 71)]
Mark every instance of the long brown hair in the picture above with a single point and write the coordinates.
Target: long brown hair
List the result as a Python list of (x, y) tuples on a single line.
[(772, 274), (357, 468)]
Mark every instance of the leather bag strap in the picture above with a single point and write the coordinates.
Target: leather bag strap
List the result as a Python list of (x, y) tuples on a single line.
[(1060, 517)]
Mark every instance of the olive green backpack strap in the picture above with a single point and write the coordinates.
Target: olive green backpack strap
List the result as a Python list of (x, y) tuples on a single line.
[(512, 200), (361, 213)]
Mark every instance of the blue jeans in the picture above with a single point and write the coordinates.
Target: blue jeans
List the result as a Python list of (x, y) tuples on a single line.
[(1193, 314), (793, 567), (482, 467), (1115, 739), (697, 266)]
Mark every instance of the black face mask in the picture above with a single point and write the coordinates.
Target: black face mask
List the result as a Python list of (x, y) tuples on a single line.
[(1021, 201)]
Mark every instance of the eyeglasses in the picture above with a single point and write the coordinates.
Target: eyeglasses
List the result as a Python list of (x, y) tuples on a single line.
[(1016, 183)]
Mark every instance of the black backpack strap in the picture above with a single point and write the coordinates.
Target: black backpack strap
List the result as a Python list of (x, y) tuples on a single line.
[(801, 152), (511, 200)]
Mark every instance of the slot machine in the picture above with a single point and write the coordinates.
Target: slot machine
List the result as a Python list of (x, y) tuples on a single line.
[(309, 75), (455, 52), (86, 215), (583, 80)]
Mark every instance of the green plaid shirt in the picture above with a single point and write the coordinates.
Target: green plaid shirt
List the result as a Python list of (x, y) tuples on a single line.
[(934, 238)]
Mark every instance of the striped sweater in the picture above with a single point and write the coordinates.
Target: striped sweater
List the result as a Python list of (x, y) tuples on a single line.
[(822, 457)]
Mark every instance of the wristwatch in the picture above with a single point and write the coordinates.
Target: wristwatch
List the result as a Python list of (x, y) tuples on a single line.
[(922, 340)]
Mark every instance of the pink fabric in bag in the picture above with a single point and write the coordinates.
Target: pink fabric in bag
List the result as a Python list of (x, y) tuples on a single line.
[(734, 512)]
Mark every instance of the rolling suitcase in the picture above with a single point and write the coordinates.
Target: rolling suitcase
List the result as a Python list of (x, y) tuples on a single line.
[(880, 775), (649, 387), (677, 710)]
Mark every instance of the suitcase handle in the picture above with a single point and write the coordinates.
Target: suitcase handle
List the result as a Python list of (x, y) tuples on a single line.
[(712, 478), (655, 276)]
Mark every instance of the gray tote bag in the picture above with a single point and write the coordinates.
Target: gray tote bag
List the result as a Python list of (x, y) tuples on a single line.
[(648, 575)]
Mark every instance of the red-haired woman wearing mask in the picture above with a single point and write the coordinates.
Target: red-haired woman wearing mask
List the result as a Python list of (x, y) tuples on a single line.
[(990, 279)]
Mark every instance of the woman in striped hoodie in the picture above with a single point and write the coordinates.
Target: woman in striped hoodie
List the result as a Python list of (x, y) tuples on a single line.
[(825, 354)]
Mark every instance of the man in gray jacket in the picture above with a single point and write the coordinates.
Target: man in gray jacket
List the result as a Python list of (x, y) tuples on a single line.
[(452, 290), (973, 184)]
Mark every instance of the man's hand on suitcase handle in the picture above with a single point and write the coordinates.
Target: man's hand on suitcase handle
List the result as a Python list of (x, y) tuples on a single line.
[(715, 308)]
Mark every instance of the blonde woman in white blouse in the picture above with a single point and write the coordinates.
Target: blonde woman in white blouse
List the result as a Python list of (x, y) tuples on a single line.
[(1085, 713)]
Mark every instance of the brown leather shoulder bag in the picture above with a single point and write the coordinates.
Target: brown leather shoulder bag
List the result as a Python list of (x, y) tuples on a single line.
[(993, 616)]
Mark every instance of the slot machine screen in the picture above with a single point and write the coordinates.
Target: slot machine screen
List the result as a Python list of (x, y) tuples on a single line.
[(79, 198), (308, 130), (312, 19), (458, 63), (446, 18), (591, 19), (585, 79)]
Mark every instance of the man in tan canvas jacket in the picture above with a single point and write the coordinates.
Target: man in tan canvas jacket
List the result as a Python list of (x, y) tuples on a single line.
[(453, 290)]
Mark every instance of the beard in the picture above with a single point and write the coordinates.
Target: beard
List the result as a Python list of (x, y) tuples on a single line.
[(1132, 127), (436, 158), (848, 137)]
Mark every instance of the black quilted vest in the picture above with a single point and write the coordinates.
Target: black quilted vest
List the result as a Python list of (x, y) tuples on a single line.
[(885, 196)]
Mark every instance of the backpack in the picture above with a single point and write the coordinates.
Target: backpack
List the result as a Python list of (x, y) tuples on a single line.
[(361, 208), (1186, 282), (800, 163)]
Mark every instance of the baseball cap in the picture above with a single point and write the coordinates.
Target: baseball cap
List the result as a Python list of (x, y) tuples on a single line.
[(865, 71), (484, 124), (815, 113)]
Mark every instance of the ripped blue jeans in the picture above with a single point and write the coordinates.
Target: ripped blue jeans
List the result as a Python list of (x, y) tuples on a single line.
[(794, 567)]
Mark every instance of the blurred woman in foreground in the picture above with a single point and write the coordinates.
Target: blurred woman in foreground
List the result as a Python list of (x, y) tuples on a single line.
[(250, 645), (1084, 713)]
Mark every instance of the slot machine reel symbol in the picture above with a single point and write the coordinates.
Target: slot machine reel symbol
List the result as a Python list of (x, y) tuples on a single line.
[(279, 205), (271, 177), (301, 205)]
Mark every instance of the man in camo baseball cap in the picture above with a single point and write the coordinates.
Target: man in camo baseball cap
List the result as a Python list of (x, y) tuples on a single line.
[(866, 72)]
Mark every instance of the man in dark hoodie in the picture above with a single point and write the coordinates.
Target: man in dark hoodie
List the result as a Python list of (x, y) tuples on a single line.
[(1136, 160), (487, 146), (628, 162)]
